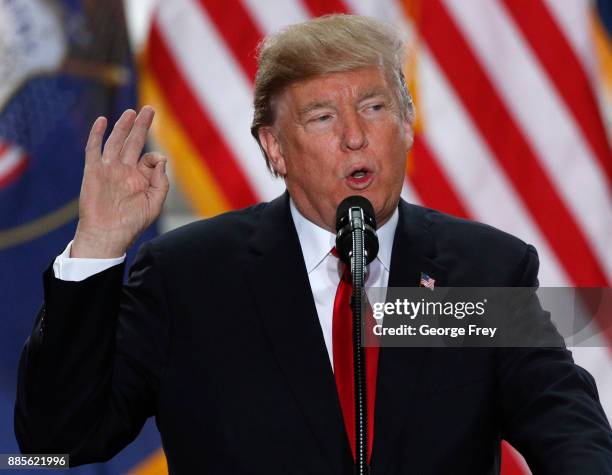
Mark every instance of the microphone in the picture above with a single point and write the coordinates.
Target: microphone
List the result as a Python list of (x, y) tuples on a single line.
[(355, 213), (357, 246)]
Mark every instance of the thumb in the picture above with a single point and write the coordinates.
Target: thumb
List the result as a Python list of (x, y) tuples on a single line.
[(159, 183)]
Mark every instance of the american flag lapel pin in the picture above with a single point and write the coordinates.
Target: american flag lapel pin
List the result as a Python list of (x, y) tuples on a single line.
[(426, 281)]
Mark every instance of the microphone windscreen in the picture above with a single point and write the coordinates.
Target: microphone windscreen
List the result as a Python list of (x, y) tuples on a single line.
[(348, 203)]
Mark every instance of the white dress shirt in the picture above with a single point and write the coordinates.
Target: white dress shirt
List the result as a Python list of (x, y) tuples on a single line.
[(76, 269), (322, 267)]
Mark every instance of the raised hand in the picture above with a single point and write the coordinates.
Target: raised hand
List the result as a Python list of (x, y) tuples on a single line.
[(122, 193)]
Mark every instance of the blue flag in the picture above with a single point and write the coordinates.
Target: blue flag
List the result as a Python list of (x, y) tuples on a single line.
[(62, 64)]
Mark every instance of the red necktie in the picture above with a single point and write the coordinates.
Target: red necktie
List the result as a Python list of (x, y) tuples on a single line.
[(342, 341)]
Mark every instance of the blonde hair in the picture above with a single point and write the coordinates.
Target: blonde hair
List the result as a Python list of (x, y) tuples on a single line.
[(328, 44)]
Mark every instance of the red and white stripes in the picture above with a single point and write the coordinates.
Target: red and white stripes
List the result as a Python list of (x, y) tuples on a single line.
[(13, 162)]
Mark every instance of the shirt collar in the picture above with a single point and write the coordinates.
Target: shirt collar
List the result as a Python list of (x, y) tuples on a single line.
[(316, 242)]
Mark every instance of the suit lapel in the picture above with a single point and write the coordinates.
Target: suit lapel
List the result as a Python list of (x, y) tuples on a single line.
[(289, 316), (414, 250), (277, 275), (399, 368)]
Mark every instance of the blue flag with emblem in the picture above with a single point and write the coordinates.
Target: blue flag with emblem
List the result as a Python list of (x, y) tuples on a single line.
[(62, 64)]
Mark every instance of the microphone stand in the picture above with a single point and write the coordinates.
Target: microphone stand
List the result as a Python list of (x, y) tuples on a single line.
[(358, 265)]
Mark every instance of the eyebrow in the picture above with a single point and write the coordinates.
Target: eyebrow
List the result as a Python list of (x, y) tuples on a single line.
[(374, 92), (313, 106)]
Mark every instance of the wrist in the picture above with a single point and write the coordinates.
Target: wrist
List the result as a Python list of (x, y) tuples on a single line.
[(96, 245)]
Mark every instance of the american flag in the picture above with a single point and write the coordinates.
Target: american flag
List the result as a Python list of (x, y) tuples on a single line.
[(511, 100), (427, 281)]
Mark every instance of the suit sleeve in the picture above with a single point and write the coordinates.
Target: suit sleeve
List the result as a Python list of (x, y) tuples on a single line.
[(90, 371), (550, 407)]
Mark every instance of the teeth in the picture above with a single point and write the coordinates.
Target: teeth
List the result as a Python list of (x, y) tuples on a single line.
[(359, 174)]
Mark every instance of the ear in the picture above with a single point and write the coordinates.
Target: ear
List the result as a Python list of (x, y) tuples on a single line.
[(408, 126), (271, 144)]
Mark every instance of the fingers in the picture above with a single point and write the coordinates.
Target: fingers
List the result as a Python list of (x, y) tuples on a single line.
[(121, 130), (153, 166), (138, 135), (148, 162), (93, 149), (159, 186), (128, 136), (159, 180)]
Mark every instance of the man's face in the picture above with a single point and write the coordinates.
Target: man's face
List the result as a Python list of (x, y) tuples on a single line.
[(339, 135)]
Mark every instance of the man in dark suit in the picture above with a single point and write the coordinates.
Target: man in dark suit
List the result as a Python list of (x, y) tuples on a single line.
[(223, 332)]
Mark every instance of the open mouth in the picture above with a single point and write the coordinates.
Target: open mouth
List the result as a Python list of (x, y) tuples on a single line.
[(359, 178)]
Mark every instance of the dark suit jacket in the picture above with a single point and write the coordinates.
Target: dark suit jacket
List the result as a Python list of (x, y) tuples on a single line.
[(216, 335)]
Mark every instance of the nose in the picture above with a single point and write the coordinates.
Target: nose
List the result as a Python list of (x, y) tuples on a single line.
[(354, 135)]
